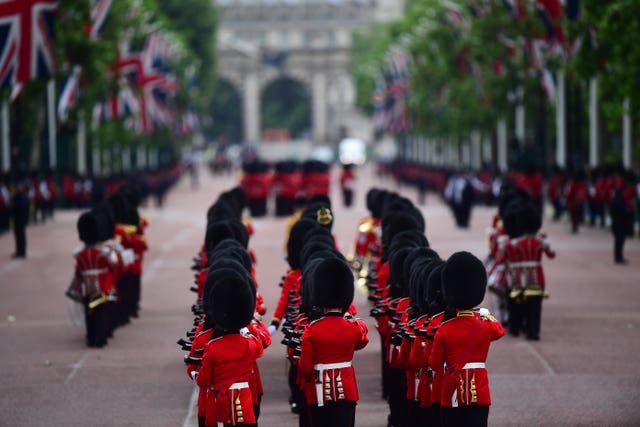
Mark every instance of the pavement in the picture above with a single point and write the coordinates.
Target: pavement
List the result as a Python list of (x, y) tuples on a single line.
[(583, 372)]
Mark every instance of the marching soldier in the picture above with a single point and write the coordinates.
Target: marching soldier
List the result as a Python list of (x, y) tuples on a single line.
[(347, 184), (465, 396), (286, 182), (328, 345), (230, 355), (522, 253), (256, 184), (94, 281)]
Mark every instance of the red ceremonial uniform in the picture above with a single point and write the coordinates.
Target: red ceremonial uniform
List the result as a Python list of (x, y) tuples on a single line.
[(290, 287), (96, 270), (325, 364), (198, 347), (460, 351), (227, 368)]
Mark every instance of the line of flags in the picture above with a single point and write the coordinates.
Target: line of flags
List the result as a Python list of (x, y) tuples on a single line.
[(146, 85), (389, 97)]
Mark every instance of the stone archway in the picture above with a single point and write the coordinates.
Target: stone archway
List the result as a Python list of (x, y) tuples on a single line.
[(286, 103), (226, 111)]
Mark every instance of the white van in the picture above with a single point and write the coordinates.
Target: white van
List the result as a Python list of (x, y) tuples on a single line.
[(353, 151)]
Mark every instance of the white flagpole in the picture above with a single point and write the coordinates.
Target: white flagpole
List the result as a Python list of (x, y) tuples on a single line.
[(502, 144), (626, 134), (561, 123), (51, 119), (6, 152), (82, 144), (593, 122), (520, 116)]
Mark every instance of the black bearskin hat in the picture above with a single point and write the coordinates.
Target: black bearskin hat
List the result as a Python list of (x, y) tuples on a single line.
[(417, 254), (88, 228), (418, 284), (238, 254), (217, 232), (375, 198), (218, 271), (396, 279), (531, 219), (464, 281), (320, 199), (297, 239), (512, 219), (434, 299), (220, 211), (311, 247), (333, 284), (232, 303), (239, 231)]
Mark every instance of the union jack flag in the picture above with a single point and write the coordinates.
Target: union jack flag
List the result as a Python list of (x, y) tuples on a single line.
[(26, 40), (99, 12)]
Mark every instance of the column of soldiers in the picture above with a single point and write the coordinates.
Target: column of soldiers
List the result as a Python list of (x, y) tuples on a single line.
[(228, 335), (425, 311), (289, 182), (607, 195), (108, 270), (317, 316)]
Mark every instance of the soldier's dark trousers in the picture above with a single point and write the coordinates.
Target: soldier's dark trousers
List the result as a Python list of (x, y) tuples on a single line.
[(532, 309), (516, 315), (436, 415), (619, 236), (425, 416), (334, 414), (284, 206), (135, 295), (397, 398), (296, 397), (20, 234), (347, 198), (465, 416), (95, 321)]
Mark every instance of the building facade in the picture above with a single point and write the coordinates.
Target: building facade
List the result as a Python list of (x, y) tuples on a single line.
[(260, 41)]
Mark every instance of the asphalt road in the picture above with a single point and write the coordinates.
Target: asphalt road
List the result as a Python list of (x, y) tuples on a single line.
[(583, 372)]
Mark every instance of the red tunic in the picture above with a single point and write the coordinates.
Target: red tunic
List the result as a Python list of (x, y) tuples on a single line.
[(96, 270), (331, 340), (198, 347), (463, 344), (523, 258), (291, 283), (347, 180), (367, 239), (227, 367)]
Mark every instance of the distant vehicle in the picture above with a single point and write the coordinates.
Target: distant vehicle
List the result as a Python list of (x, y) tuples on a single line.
[(353, 151), (322, 153)]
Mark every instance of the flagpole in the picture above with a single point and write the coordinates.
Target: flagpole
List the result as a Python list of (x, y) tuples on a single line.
[(502, 144), (82, 144), (593, 122), (520, 116), (626, 134), (561, 123), (6, 152), (51, 119)]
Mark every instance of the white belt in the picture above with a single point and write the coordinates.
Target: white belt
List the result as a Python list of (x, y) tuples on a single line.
[(474, 365), (525, 264), (93, 271), (320, 368), (238, 386)]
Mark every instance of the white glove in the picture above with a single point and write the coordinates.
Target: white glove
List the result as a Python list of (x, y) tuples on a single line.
[(272, 329), (483, 312), (194, 374)]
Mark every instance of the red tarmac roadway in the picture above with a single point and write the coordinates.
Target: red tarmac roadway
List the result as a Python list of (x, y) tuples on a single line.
[(585, 371)]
